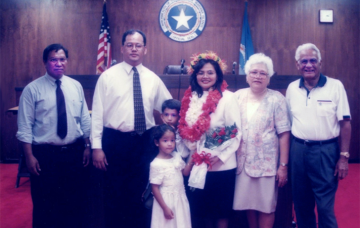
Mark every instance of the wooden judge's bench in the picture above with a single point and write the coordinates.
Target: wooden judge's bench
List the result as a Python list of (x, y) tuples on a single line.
[(177, 84)]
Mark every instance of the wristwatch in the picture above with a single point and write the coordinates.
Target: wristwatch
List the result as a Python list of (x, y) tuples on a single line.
[(345, 154), (283, 164), (87, 144)]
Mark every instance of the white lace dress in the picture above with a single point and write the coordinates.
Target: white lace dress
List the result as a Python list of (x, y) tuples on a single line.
[(167, 173)]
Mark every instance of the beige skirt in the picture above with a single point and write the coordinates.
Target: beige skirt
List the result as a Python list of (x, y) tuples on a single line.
[(255, 193)]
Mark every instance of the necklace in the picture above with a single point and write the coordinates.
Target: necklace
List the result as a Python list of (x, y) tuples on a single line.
[(194, 132)]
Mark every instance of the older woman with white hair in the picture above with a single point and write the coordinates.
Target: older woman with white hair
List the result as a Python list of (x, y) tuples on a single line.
[(265, 128)]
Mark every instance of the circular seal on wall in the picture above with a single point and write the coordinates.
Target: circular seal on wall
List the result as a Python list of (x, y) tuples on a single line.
[(182, 20)]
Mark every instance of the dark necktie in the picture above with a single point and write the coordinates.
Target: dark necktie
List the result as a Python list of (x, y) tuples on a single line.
[(61, 111), (139, 114)]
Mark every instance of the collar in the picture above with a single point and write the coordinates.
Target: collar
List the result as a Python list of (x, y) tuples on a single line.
[(321, 82), (128, 68), (52, 80)]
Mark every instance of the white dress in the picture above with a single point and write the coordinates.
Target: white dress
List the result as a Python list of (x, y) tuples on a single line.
[(167, 173)]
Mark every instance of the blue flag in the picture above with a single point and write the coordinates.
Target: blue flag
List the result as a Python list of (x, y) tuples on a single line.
[(246, 45)]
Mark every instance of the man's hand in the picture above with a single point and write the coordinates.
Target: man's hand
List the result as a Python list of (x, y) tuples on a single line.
[(99, 159), (342, 168), (33, 165), (86, 156)]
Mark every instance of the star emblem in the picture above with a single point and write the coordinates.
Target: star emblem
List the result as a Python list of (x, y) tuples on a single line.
[(182, 19)]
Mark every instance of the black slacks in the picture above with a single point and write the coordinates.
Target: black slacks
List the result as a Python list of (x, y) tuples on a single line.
[(125, 179), (58, 192)]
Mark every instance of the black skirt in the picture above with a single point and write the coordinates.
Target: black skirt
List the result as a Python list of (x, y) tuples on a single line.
[(215, 201)]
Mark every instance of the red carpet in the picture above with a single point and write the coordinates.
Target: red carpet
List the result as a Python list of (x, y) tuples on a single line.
[(15, 203), (16, 206), (347, 200)]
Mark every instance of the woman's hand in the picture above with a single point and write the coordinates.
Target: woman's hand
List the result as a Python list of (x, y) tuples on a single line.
[(168, 213), (213, 161), (281, 176)]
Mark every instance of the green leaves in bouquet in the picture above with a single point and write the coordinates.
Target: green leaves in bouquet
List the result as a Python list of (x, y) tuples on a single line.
[(218, 136)]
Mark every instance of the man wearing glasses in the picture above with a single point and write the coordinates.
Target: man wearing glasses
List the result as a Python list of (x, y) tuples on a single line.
[(320, 121), (124, 99)]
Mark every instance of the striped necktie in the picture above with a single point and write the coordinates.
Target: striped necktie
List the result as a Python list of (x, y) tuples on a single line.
[(139, 114)]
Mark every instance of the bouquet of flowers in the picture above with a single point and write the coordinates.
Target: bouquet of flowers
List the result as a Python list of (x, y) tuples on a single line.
[(219, 136)]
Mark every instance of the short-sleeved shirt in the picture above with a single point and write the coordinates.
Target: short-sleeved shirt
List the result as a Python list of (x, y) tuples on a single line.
[(315, 114)]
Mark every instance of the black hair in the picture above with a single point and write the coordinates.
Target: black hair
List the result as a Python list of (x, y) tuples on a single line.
[(171, 104), (193, 78), (160, 130), (51, 48), (132, 32)]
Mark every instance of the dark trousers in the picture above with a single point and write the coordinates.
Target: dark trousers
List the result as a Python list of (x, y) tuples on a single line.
[(57, 193), (125, 179), (313, 180)]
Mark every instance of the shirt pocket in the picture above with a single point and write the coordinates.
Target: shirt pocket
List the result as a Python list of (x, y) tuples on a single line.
[(325, 108), (75, 108)]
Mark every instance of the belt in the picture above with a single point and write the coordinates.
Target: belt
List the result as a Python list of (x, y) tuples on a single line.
[(78, 144), (312, 143), (119, 133)]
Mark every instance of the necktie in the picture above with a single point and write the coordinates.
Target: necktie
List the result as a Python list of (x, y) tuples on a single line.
[(139, 114), (61, 111)]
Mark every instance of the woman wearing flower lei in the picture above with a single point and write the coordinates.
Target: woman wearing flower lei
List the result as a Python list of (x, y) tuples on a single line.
[(210, 127)]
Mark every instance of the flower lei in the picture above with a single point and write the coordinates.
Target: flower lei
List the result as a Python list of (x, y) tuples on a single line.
[(206, 55), (202, 124)]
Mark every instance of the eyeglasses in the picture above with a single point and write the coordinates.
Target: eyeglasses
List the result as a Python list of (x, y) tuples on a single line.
[(259, 74), (131, 46), (304, 62)]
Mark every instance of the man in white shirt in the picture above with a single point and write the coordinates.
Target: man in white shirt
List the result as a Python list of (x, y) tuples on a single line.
[(115, 133), (320, 116)]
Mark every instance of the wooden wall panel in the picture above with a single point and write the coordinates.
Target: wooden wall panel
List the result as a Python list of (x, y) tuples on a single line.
[(278, 27)]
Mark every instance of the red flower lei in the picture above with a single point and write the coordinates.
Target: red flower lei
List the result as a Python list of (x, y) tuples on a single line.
[(195, 132)]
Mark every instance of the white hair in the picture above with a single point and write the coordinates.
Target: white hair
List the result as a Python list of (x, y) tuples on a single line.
[(306, 47), (260, 58)]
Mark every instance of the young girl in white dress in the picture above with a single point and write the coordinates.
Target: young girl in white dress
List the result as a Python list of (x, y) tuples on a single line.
[(170, 207)]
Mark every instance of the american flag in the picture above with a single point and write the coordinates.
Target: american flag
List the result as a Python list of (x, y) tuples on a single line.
[(104, 47)]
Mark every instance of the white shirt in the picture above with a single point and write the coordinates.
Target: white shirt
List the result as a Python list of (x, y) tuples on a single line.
[(113, 103), (37, 115), (316, 114)]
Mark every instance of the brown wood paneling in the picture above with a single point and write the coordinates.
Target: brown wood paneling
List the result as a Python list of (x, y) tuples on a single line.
[(278, 27)]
